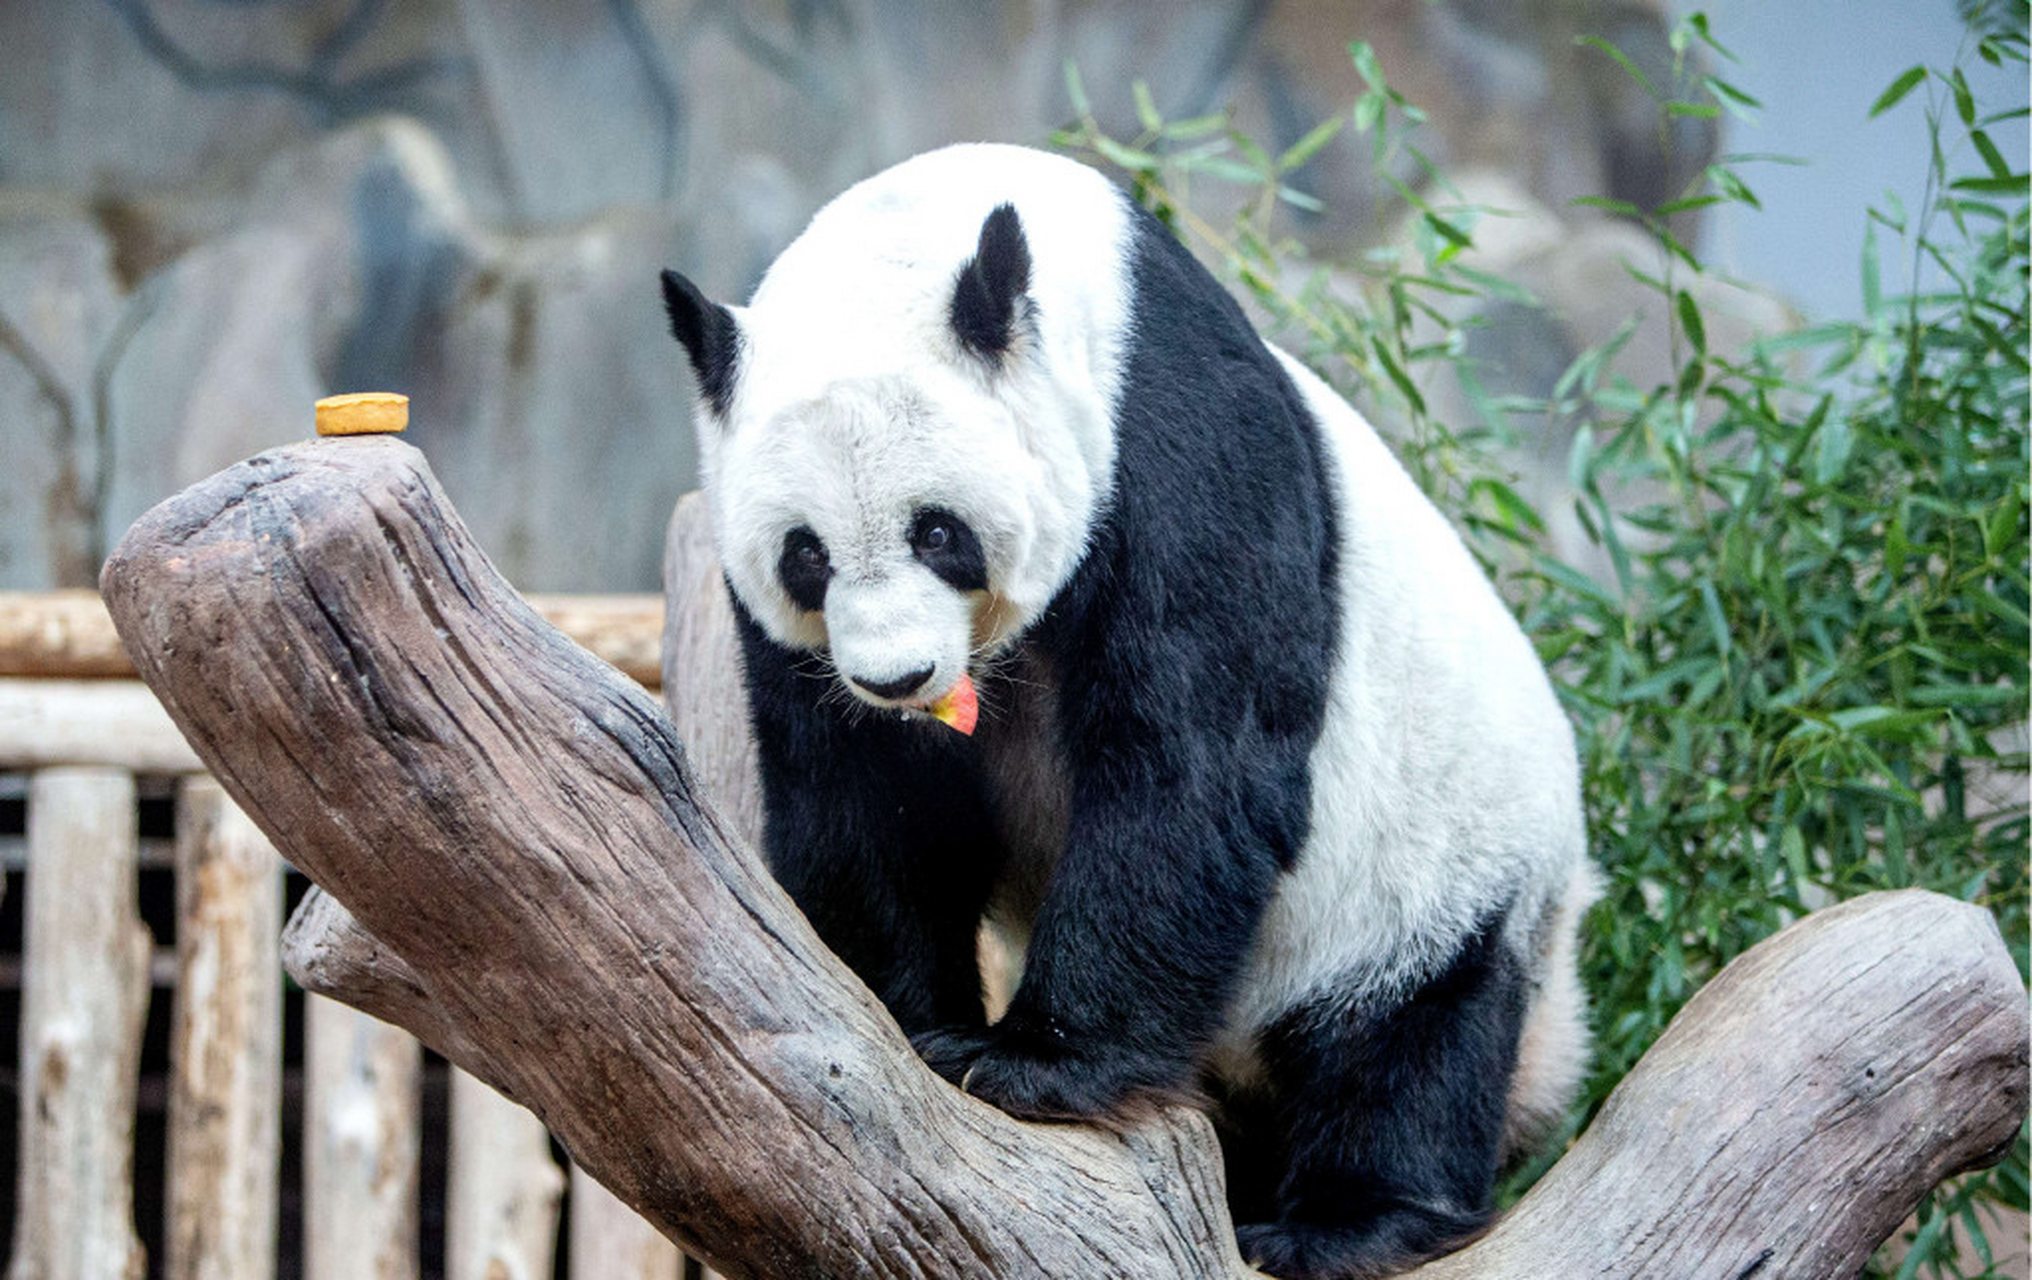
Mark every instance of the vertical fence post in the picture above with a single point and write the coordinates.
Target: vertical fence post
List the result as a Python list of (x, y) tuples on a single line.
[(502, 1197), (362, 1145), (608, 1239), (85, 997), (225, 1043)]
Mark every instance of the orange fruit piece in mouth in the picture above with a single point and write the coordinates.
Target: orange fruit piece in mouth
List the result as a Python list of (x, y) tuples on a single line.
[(960, 707)]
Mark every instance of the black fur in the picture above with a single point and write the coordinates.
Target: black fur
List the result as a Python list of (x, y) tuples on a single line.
[(804, 569), (955, 556), (991, 286), (709, 335), (876, 828), (1376, 1139)]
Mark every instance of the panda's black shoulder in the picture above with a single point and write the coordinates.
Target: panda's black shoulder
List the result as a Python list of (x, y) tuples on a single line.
[(1220, 464), (1206, 608)]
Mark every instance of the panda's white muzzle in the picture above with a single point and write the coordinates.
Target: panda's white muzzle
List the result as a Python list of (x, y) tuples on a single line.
[(898, 642)]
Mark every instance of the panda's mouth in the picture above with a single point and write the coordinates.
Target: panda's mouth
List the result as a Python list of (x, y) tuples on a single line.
[(957, 708)]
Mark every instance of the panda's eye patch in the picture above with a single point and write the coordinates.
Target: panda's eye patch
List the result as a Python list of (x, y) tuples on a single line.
[(946, 545), (805, 568)]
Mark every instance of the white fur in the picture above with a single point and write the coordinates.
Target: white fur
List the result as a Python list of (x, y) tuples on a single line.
[(870, 409), (1444, 784)]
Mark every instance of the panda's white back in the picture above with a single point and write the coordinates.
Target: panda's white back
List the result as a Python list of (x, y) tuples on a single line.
[(1445, 789)]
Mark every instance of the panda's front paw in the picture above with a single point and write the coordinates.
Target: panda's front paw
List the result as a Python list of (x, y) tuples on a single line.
[(1036, 1087), (1040, 1082), (950, 1051)]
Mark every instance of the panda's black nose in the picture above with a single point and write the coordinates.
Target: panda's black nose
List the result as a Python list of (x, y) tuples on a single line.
[(901, 687)]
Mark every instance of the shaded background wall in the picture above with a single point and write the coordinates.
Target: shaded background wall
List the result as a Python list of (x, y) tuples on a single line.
[(214, 211)]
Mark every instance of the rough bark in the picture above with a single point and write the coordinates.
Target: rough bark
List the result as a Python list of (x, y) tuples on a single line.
[(516, 821), (532, 883), (702, 671)]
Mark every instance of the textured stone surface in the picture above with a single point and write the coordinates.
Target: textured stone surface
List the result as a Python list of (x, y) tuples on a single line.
[(355, 264), (211, 214)]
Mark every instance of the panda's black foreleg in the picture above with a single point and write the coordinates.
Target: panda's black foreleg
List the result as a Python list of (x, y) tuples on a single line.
[(1186, 738), (876, 829), (1135, 949), (1389, 1124)]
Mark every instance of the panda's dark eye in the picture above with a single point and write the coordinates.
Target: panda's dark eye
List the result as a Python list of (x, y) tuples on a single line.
[(804, 568), (946, 545)]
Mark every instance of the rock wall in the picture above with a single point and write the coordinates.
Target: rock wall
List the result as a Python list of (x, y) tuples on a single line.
[(214, 211)]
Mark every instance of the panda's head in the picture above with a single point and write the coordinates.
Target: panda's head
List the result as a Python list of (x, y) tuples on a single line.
[(903, 462)]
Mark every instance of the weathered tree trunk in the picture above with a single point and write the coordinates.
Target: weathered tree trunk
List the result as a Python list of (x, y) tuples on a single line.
[(533, 884)]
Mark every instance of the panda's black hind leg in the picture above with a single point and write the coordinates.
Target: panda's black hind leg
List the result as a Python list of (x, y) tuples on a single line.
[(1389, 1126)]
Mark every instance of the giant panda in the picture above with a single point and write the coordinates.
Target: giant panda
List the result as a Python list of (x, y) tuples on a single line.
[(1268, 792)]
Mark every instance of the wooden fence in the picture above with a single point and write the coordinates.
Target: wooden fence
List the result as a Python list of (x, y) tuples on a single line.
[(178, 1111)]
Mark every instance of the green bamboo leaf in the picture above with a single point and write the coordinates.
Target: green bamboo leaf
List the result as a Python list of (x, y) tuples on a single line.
[(1368, 109), (1366, 65), (1964, 101), (1671, 207), (1398, 377), (1449, 231), (1717, 620), (1698, 21), (1300, 199), (1076, 91), (1690, 322), (1907, 81), (1622, 60), (1739, 104), (1872, 273), (1305, 148), (1623, 207), (2012, 185), (1146, 106), (1195, 127), (1495, 286), (1130, 158), (1992, 157), (1967, 695), (1222, 167)]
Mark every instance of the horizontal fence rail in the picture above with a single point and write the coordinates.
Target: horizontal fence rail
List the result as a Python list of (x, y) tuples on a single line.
[(86, 754)]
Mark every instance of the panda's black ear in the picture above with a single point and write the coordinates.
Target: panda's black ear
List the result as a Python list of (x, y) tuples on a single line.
[(710, 336), (986, 297)]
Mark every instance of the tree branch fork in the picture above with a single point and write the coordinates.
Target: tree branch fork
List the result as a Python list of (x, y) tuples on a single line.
[(525, 862)]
